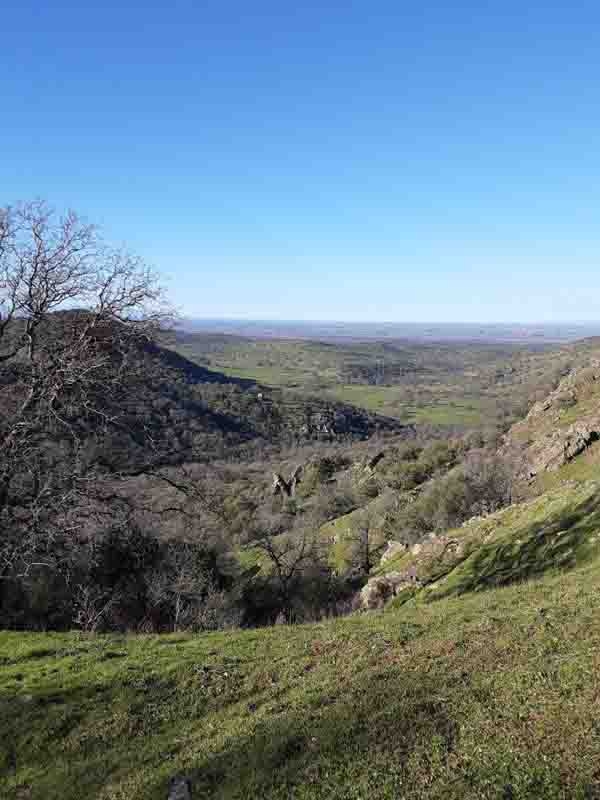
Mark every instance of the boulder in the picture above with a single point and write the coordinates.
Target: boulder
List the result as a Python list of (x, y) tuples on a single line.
[(578, 438), (392, 550), (377, 592), (287, 488)]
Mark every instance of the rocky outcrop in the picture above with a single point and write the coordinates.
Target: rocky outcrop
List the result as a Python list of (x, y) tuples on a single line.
[(287, 488), (544, 440), (377, 592), (382, 588), (579, 437), (571, 389), (392, 550), (556, 448)]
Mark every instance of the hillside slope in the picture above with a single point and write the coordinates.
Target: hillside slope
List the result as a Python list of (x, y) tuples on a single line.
[(194, 413), (173, 410), (457, 693), (478, 678), (557, 530), (559, 428)]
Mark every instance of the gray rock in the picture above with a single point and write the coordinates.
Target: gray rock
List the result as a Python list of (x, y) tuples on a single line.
[(579, 437), (378, 591), (287, 488), (541, 442), (392, 550)]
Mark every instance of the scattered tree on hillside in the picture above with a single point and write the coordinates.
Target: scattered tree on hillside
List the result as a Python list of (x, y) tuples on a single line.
[(72, 312), (363, 554)]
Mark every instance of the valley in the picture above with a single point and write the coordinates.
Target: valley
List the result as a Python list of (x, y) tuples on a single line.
[(236, 566), (465, 384), (299, 401), (475, 627)]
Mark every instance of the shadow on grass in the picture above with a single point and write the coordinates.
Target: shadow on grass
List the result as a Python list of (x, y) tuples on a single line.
[(329, 745), (195, 373), (381, 719), (561, 541)]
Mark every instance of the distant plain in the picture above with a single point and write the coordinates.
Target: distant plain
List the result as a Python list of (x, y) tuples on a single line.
[(443, 374)]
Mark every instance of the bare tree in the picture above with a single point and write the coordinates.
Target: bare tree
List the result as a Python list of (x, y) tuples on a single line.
[(291, 554), (91, 607), (72, 313), (363, 545)]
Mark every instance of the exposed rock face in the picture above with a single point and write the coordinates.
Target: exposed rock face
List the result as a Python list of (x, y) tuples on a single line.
[(551, 451), (580, 436), (280, 485), (287, 488), (379, 590), (434, 545), (569, 391), (180, 788), (392, 550), (544, 441)]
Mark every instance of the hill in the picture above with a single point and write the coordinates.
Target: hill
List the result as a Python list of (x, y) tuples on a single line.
[(472, 674), (199, 412), (457, 693), (175, 410), (198, 401)]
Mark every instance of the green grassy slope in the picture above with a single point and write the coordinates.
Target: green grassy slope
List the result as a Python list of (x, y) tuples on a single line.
[(471, 688), (559, 529)]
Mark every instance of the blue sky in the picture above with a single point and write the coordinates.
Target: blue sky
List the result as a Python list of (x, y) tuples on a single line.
[(357, 161)]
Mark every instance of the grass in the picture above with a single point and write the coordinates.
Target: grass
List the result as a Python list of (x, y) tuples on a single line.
[(450, 413), (560, 529), (557, 530), (485, 685), (434, 383), (585, 467), (392, 402)]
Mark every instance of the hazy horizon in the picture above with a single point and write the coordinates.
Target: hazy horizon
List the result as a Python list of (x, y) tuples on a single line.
[(335, 330), (368, 321)]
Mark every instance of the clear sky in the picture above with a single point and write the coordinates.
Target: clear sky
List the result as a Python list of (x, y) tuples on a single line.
[(402, 161)]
